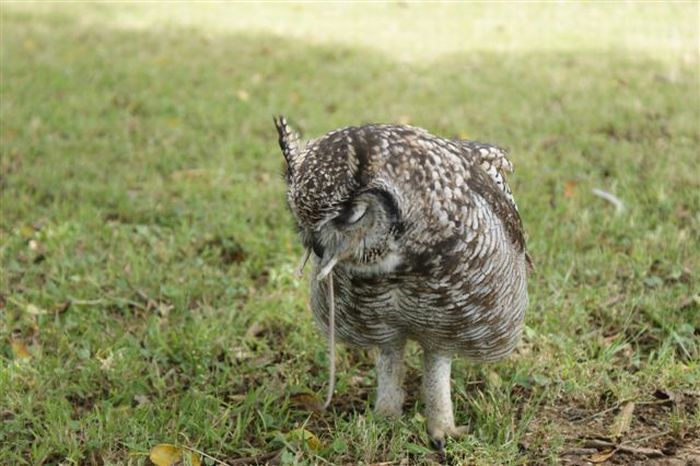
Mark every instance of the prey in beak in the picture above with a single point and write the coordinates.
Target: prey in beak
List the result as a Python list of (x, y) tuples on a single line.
[(328, 261)]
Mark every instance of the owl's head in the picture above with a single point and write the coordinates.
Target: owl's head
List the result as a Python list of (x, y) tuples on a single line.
[(344, 212)]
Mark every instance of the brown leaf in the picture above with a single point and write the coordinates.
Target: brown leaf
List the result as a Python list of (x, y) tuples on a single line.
[(306, 401), (569, 189), (622, 421), (19, 349), (602, 456)]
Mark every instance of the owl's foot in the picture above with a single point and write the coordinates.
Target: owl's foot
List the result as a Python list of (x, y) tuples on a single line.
[(438, 403), (440, 433), (390, 374), (390, 406)]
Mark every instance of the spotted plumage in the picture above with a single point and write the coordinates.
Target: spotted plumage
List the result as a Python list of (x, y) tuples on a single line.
[(424, 242)]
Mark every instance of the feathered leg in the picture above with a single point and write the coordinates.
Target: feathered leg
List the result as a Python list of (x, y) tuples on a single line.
[(390, 375), (437, 398)]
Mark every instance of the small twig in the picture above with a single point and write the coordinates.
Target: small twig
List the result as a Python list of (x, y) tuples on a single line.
[(649, 437), (579, 452), (649, 452), (619, 404), (619, 206), (606, 411)]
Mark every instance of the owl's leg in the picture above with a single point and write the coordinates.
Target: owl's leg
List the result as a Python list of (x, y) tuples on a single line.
[(437, 398), (390, 374)]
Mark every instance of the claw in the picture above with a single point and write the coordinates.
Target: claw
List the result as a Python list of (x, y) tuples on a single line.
[(438, 443), (438, 436)]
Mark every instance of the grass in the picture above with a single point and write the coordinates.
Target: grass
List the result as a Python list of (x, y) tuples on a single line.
[(147, 292)]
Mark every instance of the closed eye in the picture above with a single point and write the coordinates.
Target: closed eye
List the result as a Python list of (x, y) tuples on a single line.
[(357, 214), (351, 215)]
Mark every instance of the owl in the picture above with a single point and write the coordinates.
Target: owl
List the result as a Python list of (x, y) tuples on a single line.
[(411, 237)]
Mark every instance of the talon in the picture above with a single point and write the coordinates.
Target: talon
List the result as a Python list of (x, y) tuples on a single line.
[(438, 443), (458, 431), (438, 437)]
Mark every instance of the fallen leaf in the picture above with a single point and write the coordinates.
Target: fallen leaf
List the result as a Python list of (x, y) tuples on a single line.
[(622, 421), (569, 189), (166, 454), (306, 401), (303, 436), (602, 456), (19, 349), (35, 310)]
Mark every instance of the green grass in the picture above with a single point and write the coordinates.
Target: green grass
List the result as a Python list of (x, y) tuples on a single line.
[(147, 254)]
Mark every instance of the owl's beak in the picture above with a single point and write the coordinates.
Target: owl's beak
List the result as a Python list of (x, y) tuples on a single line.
[(327, 264), (331, 256), (328, 261)]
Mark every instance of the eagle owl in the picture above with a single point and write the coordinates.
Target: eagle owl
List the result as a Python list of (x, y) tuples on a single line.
[(422, 240)]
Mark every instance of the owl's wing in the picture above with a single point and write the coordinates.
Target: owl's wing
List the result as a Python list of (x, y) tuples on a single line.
[(494, 163), (493, 160)]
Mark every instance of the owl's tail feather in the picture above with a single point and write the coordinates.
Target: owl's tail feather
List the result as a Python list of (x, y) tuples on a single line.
[(331, 342)]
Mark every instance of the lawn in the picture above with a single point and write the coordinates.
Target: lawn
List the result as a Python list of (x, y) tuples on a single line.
[(147, 288)]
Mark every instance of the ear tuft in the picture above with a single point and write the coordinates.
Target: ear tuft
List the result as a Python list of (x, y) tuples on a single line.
[(288, 140)]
